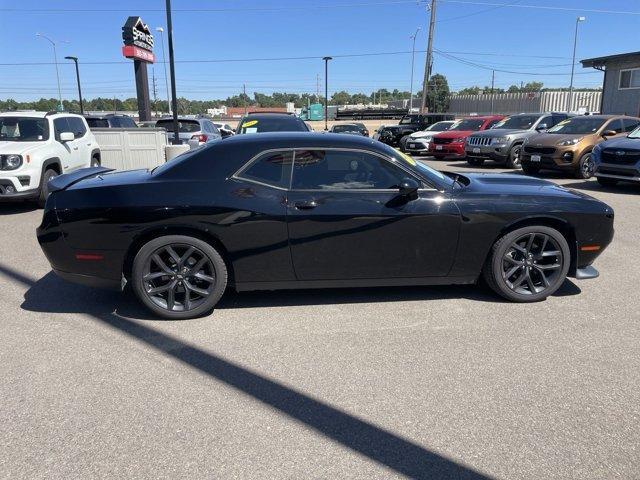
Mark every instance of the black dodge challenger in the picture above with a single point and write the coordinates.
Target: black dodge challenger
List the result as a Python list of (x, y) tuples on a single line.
[(308, 210)]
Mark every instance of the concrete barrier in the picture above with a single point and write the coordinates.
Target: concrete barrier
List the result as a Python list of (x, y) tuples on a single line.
[(131, 148)]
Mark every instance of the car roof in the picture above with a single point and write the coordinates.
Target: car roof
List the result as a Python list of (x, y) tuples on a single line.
[(39, 114), (303, 139), (107, 115)]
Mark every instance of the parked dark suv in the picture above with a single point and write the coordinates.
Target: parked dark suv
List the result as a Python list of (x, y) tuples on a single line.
[(392, 134), (110, 120)]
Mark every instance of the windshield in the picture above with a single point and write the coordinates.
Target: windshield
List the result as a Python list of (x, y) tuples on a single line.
[(578, 125), (473, 124), (439, 127), (184, 126), (518, 122), (272, 124), (410, 119), (24, 129), (635, 133), (345, 128), (434, 176)]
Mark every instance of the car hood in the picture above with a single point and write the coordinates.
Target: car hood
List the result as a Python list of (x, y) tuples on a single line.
[(622, 143), (18, 148), (423, 134), (519, 185), (497, 132), (456, 134), (552, 139)]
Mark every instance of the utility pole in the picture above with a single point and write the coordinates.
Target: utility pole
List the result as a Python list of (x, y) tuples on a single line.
[(413, 55), (573, 64), (493, 82), (172, 71), (155, 90), (244, 97), (326, 91), (429, 61), (317, 88)]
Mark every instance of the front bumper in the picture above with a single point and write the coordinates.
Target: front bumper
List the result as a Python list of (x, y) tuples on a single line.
[(497, 153), (416, 146), (12, 190), (447, 150), (629, 173), (562, 158)]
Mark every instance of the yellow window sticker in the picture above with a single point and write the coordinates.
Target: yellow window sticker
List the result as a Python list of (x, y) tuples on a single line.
[(407, 158), (250, 123)]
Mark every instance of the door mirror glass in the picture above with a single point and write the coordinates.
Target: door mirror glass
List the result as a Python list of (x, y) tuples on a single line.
[(409, 188), (609, 133), (67, 137)]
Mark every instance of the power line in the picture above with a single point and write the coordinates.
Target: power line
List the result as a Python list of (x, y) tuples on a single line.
[(543, 7)]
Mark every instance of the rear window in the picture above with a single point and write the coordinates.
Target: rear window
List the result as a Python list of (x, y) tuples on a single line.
[(98, 123), (346, 128), (272, 124), (184, 126)]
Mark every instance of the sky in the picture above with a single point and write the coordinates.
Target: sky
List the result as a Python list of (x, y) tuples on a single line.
[(221, 45)]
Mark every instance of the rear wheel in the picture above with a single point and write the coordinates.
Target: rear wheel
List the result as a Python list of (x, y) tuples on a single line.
[(47, 176), (179, 277), (513, 160), (586, 167), (607, 182), (528, 264), (476, 162), (530, 169)]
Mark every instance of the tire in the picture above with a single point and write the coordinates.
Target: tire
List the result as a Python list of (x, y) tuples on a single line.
[(530, 169), (475, 162), (586, 167), (607, 182), (190, 293), (403, 143), (513, 160), (528, 275), (47, 176), (95, 161)]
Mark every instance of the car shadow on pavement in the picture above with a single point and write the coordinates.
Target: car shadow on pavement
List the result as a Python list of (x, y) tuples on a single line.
[(15, 208), (382, 446), (593, 186)]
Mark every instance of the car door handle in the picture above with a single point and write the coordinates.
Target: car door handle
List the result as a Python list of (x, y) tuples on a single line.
[(306, 205), (88, 144), (75, 148)]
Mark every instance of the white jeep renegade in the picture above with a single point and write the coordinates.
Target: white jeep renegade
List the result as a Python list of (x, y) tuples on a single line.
[(38, 146)]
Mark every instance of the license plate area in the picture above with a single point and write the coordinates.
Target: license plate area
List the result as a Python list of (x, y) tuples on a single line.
[(536, 158)]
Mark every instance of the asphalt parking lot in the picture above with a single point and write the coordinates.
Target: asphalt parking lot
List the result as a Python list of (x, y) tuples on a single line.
[(438, 382)]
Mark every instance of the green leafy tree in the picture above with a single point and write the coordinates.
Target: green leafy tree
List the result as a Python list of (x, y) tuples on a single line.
[(438, 94)]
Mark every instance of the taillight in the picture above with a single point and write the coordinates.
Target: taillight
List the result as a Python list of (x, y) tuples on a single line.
[(201, 138)]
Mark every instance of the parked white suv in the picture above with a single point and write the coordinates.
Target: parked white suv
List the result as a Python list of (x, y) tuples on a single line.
[(38, 146)]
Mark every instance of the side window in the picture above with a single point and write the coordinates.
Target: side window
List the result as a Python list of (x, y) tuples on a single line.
[(273, 168), (548, 121), (630, 124), (77, 127), (61, 125), (335, 169), (615, 125)]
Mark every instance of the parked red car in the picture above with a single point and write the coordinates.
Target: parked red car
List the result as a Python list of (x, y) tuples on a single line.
[(451, 142)]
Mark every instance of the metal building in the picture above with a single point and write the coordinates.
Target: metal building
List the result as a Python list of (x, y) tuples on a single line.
[(621, 84), (534, 102)]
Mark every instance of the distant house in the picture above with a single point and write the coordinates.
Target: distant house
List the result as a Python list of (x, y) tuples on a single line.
[(621, 85)]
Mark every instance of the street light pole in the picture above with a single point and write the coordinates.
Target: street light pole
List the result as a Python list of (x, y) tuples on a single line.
[(326, 92), (164, 63), (413, 54), (172, 70), (75, 60), (573, 64), (55, 60)]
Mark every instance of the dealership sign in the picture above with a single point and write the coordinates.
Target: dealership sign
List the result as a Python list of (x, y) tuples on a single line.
[(138, 40)]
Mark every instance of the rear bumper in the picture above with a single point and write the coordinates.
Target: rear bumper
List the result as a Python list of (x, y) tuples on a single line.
[(89, 280), (586, 273)]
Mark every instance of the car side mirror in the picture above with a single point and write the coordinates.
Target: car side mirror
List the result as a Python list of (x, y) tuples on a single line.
[(67, 137), (409, 188), (542, 126), (609, 133)]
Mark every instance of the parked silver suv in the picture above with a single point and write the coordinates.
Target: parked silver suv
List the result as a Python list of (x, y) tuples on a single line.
[(503, 142)]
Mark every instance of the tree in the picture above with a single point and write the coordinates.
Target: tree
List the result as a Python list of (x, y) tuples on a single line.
[(470, 91), (533, 87), (438, 96)]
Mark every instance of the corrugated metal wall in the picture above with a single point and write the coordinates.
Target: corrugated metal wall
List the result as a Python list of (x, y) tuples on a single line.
[(509, 103)]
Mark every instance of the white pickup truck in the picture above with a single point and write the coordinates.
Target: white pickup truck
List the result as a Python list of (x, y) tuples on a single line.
[(38, 146)]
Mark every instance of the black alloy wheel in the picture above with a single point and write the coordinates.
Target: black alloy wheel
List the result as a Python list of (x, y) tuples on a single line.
[(179, 277), (528, 264)]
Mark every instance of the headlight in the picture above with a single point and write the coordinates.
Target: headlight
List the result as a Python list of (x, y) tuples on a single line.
[(571, 141), (11, 162), (501, 140)]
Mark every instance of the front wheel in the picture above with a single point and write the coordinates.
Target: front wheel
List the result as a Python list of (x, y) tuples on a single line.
[(586, 167), (179, 277), (528, 264), (47, 176), (95, 162), (513, 160), (403, 143)]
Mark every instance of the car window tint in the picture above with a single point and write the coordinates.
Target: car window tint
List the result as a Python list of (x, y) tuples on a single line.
[(127, 122), (557, 118), (548, 121), (272, 168), (615, 125), (335, 169), (97, 123), (77, 127), (630, 124), (61, 125)]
